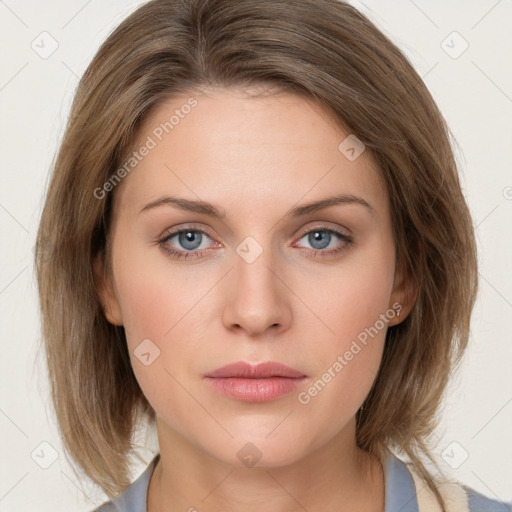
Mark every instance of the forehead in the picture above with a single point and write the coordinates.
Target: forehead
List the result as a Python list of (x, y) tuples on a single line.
[(229, 146)]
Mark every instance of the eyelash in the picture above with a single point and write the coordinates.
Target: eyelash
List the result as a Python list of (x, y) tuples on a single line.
[(198, 253)]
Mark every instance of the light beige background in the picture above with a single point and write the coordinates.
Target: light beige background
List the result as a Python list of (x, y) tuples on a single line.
[(474, 91)]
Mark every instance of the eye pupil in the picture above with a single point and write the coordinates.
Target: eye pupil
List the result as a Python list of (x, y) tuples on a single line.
[(319, 237), (186, 239)]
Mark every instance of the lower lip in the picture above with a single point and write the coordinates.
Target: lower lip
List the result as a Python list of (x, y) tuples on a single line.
[(255, 390)]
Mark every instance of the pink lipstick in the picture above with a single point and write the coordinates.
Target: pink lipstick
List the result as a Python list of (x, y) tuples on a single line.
[(261, 382)]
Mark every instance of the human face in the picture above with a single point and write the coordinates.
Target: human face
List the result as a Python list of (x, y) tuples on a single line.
[(294, 292)]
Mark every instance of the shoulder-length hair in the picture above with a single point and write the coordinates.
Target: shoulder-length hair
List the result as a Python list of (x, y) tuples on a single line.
[(326, 51)]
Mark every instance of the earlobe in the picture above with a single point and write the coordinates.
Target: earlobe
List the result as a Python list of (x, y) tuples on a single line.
[(403, 296), (106, 293)]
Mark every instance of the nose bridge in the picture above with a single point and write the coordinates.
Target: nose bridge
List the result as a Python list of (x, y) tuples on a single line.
[(258, 299)]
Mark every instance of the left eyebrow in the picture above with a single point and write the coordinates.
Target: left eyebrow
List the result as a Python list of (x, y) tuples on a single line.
[(298, 211)]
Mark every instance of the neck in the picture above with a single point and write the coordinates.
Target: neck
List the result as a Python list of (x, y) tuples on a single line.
[(335, 477)]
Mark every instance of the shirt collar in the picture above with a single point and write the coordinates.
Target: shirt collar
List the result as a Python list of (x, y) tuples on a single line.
[(399, 487)]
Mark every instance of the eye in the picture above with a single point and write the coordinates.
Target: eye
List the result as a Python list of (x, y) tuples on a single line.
[(190, 242), (185, 243), (326, 241)]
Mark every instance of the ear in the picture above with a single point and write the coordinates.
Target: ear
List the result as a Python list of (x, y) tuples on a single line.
[(105, 290), (403, 295)]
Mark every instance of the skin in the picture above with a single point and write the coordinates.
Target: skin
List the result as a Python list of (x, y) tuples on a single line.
[(254, 158)]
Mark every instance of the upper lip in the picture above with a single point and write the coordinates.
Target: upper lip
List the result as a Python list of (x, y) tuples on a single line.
[(248, 370)]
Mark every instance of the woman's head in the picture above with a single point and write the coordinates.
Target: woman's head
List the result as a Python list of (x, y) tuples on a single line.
[(258, 108), (254, 284)]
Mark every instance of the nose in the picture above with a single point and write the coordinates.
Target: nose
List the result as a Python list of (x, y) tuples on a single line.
[(257, 298)]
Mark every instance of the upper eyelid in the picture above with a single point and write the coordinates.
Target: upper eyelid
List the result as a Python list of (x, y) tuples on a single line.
[(192, 227), (324, 227), (338, 232), (189, 227)]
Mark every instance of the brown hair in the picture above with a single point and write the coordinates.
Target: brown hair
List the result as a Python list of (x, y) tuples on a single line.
[(324, 50)]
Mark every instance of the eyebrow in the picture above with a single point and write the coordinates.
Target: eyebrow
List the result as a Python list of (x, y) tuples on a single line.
[(205, 208)]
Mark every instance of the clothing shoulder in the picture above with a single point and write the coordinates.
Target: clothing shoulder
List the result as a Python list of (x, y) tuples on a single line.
[(107, 507), (479, 503), (133, 499), (456, 496)]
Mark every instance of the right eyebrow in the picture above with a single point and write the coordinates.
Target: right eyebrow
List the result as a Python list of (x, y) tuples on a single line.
[(187, 205)]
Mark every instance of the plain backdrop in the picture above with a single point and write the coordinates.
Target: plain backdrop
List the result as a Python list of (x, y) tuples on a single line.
[(460, 48)]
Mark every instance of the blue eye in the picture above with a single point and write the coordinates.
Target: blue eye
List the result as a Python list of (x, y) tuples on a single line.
[(319, 239), (189, 239), (193, 243), (326, 241)]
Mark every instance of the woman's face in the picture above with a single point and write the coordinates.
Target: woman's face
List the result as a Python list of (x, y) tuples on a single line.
[(270, 280)]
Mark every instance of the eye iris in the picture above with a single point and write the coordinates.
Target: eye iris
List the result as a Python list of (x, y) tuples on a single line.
[(317, 236), (186, 239)]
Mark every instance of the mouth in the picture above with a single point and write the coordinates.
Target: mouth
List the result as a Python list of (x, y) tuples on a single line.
[(263, 382)]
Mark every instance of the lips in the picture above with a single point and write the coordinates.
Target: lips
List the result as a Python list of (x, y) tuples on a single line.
[(246, 370), (263, 382)]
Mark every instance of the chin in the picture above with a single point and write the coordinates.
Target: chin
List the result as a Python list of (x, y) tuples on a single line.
[(253, 451)]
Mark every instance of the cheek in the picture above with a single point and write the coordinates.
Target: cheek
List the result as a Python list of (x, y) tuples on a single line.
[(166, 314), (158, 310), (155, 294), (351, 296), (146, 313), (354, 305)]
